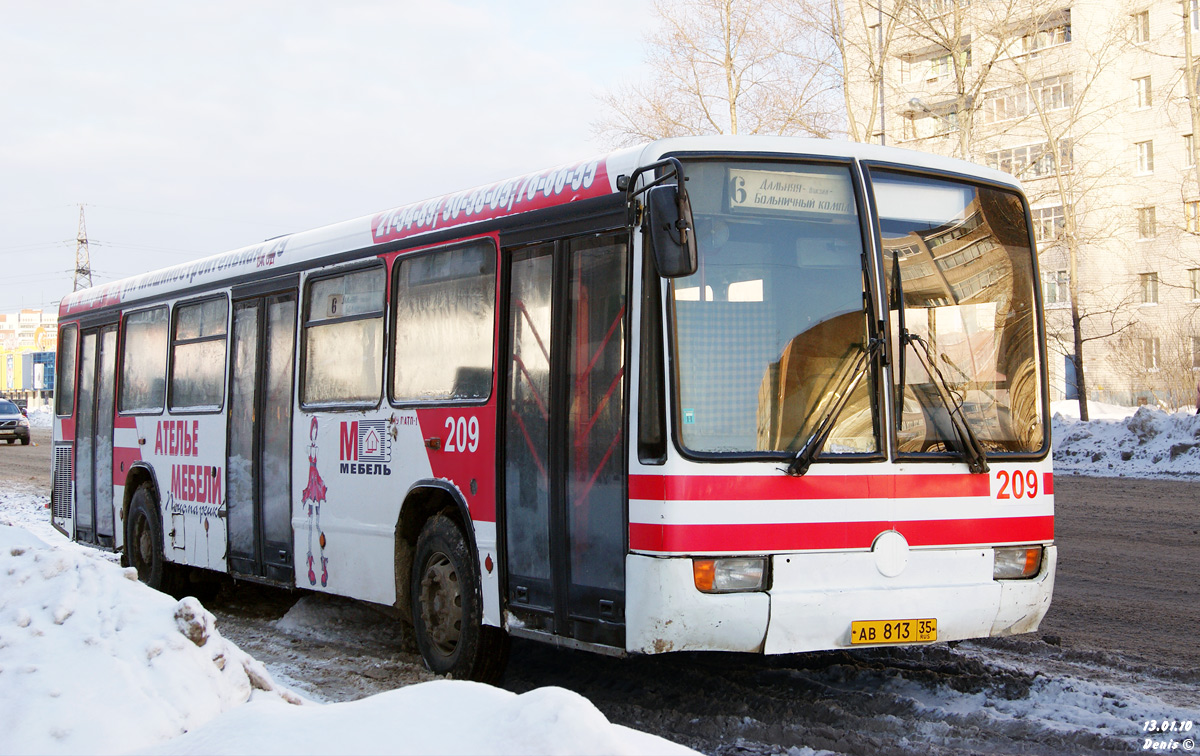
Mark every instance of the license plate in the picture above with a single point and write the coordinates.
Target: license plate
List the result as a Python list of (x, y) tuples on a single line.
[(893, 631)]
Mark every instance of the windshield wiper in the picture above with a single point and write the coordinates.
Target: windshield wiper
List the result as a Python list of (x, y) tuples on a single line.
[(846, 386), (972, 450)]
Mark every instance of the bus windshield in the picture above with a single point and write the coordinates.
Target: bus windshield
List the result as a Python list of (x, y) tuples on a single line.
[(773, 320), (969, 322)]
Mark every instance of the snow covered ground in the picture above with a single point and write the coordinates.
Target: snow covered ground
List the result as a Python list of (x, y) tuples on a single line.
[(92, 661), (1142, 442)]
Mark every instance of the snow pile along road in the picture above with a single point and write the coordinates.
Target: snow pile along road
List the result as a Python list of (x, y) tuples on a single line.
[(440, 717), (92, 661), (1121, 442)]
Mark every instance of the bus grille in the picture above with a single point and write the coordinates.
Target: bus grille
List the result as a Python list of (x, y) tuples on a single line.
[(63, 475)]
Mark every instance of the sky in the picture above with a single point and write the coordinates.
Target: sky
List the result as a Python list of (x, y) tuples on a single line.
[(188, 129)]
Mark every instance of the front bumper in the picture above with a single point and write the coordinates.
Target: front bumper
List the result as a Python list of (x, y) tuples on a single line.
[(815, 596), (18, 433)]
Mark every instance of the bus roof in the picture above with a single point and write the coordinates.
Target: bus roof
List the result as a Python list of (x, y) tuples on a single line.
[(588, 179)]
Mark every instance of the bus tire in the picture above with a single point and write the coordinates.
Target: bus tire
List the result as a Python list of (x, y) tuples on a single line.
[(447, 607), (144, 543)]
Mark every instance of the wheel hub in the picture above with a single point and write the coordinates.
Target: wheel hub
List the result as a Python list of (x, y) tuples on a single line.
[(441, 603)]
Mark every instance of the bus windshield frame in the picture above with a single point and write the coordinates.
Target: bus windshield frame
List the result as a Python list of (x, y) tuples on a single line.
[(973, 321), (794, 274)]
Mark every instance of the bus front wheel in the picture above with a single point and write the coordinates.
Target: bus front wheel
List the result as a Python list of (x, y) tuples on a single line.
[(447, 608), (144, 542)]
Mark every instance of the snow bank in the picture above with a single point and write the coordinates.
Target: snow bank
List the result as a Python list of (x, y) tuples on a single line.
[(1144, 443), (92, 661), (441, 717), (41, 417)]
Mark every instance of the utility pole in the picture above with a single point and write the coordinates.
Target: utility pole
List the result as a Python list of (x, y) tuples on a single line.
[(83, 258)]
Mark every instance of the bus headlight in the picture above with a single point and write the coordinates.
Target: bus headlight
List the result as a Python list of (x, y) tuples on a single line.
[(1017, 562), (729, 575)]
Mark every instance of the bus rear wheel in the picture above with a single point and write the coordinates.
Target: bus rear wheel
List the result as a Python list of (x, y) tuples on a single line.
[(447, 608), (144, 543)]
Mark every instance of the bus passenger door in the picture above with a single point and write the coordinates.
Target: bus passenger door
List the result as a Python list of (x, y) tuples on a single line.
[(258, 488), (94, 520), (564, 502)]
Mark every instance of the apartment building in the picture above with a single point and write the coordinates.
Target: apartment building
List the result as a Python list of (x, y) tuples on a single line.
[(1088, 104)]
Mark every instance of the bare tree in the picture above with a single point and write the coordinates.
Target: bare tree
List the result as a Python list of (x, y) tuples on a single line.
[(1160, 358), (727, 67), (860, 36), (1063, 112)]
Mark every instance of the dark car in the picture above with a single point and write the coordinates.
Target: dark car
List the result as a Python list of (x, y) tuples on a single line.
[(13, 423)]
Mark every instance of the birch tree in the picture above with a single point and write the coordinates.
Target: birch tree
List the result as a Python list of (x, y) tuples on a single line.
[(727, 67)]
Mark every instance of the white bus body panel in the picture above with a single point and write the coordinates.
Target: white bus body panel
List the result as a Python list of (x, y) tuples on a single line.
[(815, 597)]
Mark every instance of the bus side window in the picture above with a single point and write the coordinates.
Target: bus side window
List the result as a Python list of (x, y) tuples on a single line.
[(198, 355), (343, 339), (144, 361), (64, 396), (444, 304)]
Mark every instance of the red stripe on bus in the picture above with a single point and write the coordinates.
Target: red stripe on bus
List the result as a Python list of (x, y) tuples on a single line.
[(775, 488), (778, 537), (1048, 483), (123, 459), (124, 422)]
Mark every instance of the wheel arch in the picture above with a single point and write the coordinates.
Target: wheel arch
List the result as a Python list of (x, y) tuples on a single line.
[(139, 474), (425, 499)]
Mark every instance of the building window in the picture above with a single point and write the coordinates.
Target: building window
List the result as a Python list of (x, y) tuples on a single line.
[(948, 122), (1048, 223), (1194, 283), (1056, 287), (1141, 27), (1189, 158), (908, 127), (1149, 288), (1150, 355), (1033, 160), (1193, 13), (940, 66), (1058, 34), (1196, 353), (1145, 156), (1191, 216), (1051, 93), (1142, 92), (1146, 226)]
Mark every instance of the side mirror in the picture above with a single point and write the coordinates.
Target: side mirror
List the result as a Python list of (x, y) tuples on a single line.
[(669, 221)]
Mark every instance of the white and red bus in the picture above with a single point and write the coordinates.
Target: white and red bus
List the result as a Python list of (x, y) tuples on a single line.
[(796, 401)]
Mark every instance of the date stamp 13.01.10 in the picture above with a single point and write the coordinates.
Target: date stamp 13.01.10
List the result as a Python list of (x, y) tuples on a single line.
[(1166, 735)]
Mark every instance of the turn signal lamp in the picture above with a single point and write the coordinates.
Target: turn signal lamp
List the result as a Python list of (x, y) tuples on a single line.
[(729, 575), (1017, 562)]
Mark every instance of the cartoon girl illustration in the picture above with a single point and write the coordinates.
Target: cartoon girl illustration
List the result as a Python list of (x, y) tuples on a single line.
[(314, 494)]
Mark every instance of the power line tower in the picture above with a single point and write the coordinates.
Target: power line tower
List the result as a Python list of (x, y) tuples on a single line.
[(83, 258)]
